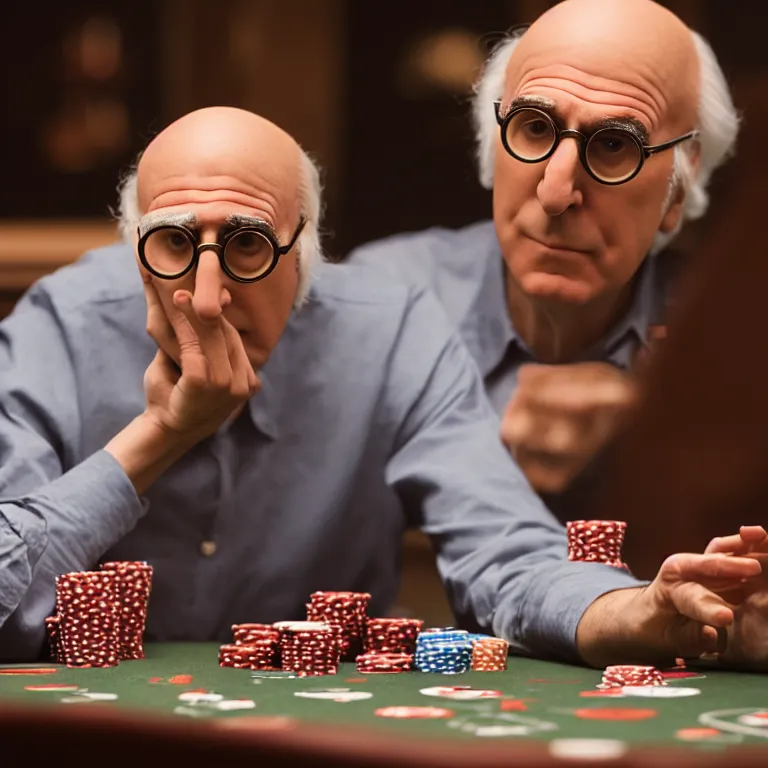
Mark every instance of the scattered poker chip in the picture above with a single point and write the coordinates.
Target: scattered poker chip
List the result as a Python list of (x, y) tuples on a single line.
[(198, 697), (415, 713), (338, 696), (28, 671), (96, 696), (657, 692), (579, 749), (233, 705), (596, 541), (636, 675), (758, 719), (460, 693)]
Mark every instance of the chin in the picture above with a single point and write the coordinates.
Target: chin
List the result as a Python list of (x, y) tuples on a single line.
[(558, 288)]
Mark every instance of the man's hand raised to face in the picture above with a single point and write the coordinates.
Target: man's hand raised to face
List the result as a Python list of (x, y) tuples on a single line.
[(209, 376), (198, 379), (561, 416)]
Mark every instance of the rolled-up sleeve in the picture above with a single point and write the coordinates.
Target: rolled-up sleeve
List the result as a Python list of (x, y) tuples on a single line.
[(59, 511), (501, 554)]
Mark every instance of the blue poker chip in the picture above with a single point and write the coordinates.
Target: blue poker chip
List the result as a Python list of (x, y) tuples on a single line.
[(445, 652)]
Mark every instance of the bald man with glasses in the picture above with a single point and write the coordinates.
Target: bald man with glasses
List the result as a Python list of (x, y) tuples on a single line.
[(598, 129)]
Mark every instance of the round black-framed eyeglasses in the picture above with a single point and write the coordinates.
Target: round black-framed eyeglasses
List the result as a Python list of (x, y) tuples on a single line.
[(246, 254), (609, 155)]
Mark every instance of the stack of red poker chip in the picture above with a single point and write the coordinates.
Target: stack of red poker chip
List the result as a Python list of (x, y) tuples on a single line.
[(619, 675), (489, 654), (87, 606), (53, 624), (134, 583), (384, 663), (309, 648), (245, 633), (596, 541), (259, 655), (392, 635), (344, 610), (264, 636)]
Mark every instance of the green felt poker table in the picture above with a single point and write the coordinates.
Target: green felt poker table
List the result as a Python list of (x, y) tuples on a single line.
[(179, 704)]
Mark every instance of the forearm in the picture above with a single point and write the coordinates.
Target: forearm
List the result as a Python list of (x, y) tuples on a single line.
[(612, 631), (65, 525), (145, 451)]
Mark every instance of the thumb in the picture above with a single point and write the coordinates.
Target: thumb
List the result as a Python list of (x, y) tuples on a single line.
[(694, 639)]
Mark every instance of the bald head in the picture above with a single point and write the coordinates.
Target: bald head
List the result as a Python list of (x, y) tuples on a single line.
[(222, 148), (632, 54)]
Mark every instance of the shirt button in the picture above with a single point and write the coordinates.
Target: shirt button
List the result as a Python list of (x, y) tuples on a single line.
[(208, 548)]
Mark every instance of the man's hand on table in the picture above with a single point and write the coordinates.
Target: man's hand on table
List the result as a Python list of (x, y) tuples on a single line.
[(677, 615), (561, 416), (200, 377), (747, 645)]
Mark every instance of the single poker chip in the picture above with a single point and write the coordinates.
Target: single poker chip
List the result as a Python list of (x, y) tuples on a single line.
[(54, 687), (415, 713)]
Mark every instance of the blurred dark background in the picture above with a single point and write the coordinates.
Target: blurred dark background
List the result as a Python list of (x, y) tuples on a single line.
[(378, 93)]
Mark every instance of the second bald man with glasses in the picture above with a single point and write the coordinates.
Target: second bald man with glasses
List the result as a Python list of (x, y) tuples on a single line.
[(598, 128)]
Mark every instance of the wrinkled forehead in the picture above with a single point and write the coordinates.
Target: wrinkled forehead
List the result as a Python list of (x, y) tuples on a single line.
[(599, 77)]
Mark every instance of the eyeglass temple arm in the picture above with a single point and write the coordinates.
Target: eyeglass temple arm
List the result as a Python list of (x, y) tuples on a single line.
[(286, 248), (667, 144)]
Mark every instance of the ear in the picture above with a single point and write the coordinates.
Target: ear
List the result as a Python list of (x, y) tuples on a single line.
[(671, 220)]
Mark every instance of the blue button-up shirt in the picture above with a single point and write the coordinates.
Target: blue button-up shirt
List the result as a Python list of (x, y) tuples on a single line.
[(464, 268), (371, 418)]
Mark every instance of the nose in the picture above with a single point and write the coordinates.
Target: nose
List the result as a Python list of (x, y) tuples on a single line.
[(558, 190), (210, 296)]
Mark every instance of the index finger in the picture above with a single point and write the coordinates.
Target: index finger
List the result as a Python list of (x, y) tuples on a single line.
[(749, 539)]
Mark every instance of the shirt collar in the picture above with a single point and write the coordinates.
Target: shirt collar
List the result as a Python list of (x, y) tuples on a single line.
[(488, 331), (486, 328), (644, 310)]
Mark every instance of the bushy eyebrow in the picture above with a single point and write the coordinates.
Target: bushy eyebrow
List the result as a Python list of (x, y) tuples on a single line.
[(627, 123), (190, 221), (165, 219), (238, 220)]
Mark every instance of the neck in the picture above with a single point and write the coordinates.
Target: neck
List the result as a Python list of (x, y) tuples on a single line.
[(559, 333)]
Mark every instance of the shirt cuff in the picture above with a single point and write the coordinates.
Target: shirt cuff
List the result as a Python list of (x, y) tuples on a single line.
[(550, 614), (97, 500)]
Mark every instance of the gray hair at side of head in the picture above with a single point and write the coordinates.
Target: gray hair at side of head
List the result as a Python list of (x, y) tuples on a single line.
[(718, 126), (310, 252)]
